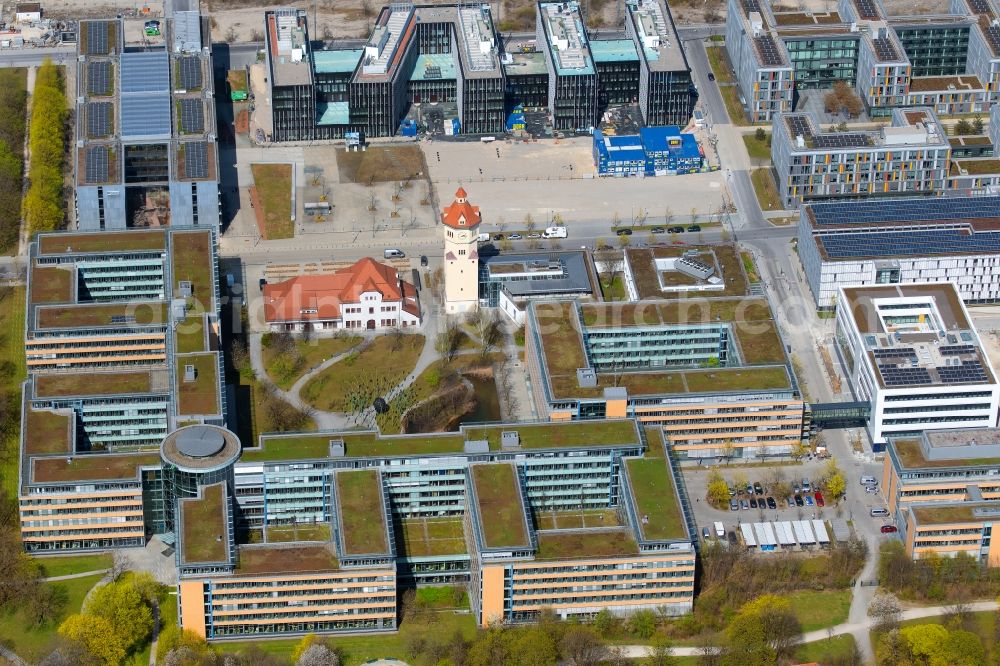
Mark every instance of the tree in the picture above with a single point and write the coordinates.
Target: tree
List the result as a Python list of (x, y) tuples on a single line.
[(842, 99), (624, 241), (122, 605), (318, 655), (668, 216), (963, 648), (96, 635), (533, 647), (800, 450), (490, 649), (760, 134), (606, 624), (925, 641), (173, 638), (610, 265), (963, 127), (581, 647), (661, 653), (529, 223), (977, 124), (885, 610), (448, 341), (642, 624), (616, 221), (834, 481), (763, 632), (718, 490)]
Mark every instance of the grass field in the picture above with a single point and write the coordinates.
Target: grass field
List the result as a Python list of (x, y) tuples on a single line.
[(719, 61), (820, 609), (274, 187), (765, 189), (357, 650), (310, 353), (376, 365), (33, 644), (73, 564), (731, 96), (12, 357), (758, 150), (381, 164)]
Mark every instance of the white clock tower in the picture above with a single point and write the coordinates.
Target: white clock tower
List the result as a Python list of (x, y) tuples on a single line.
[(461, 256)]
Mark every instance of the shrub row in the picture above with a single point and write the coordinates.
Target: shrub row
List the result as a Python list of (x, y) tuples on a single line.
[(43, 203)]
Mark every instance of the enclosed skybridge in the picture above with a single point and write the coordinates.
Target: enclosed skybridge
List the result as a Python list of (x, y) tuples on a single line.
[(837, 415)]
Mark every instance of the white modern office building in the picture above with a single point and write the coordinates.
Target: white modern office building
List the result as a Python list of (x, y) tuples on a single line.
[(912, 353), (901, 241)]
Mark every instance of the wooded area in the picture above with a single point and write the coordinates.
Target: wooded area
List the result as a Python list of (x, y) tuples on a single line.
[(43, 203), (13, 98)]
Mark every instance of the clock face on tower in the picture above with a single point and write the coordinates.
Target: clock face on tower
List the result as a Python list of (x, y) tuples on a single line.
[(463, 235)]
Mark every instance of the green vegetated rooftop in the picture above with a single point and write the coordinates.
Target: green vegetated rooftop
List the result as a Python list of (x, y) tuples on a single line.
[(92, 383), (101, 315), (204, 526), (298, 558), (363, 527), (910, 453), (656, 503), (643, 266), (942, 514), (429, 537), (589, 544), (298, 532), (200, 396), (92, 467), (368, 444), (47, 432), (189, 335), (501, 511), (102, 242), (192, 261), (51, 284)]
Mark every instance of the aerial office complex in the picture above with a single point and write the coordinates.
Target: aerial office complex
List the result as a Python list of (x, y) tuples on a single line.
[(121, 339), (941, 488), (948, 61), (944, 239), (911, 352), (911, 156), (452, 56), (145, 153), (710, 370)]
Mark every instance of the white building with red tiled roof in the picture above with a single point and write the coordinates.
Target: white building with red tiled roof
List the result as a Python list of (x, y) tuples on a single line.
[(364, 296), (461, 254)]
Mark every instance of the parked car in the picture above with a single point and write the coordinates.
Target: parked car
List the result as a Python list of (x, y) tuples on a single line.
[(869, 481), (806, 486), (879, 512), (734, 505), (514, 236), (423, 260), (534, 235), (711, 76), (795, 488), (771, 504), (624, 232), (757, 488), (808, 499), (888, 529), (819, 499), (790, 501), (749, 489), (497, 236), (676, 230), (798, 500), (656, 230), (871, 490), (694, 227), (706, 533), (744, 504), (263, 281), (753, 502)]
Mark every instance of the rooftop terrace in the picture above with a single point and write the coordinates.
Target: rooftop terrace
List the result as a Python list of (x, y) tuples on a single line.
[(642, 263), (372, 445), (656, 503), (361, 514), (499, 506), (289, 559), (204, 526)]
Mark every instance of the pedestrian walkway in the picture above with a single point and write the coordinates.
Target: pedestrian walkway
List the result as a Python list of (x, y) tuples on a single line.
[(55, 579)]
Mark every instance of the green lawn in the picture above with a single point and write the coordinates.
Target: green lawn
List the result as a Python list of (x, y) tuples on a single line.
[(758, 150), (377, 368), (500, 509), (360, 649), (274, 187), (731, 96), (614, 290), (653, 490), (33, 644), (73, 564), (190, 335), (286, 370), (765, 189), (826, 650), (820, 609), (719, 60), (362, 527), (12, 301)]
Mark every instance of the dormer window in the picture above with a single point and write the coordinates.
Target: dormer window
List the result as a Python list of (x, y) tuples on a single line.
[(461, 221)]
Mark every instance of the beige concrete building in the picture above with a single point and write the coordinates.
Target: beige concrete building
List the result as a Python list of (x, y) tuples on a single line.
[(461, 257)]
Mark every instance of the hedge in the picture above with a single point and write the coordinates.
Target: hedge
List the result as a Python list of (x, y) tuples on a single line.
[(43, 203)]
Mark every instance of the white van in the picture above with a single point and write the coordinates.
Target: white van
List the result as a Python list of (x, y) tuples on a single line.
[(484, 238), (869, 481), (879, 512), (720, 531), (555, 232), (393, 254)]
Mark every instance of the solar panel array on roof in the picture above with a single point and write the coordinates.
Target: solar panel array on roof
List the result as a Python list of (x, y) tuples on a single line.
[(842, 140), (96, 164), (906, 210), (866, 9), (798, 125), (190, 67), (955, 350), (980, 7), (909, 243), (192, 116), (885, 50), (196, 159), (145, 71), (969, 371), (99, 119), (99, 78), (906, 376), (906, 353), (767, 48), (98, 38), (145, 116), (992, 34)]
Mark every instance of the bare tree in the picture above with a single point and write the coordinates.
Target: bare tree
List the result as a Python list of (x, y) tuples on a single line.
[(610, 265), (119, 565), (448, 341)]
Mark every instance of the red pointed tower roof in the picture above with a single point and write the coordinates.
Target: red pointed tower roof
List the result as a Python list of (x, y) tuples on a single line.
[(461, 214)]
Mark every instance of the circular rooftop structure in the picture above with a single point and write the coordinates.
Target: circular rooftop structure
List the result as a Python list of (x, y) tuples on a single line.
[(200, 448)]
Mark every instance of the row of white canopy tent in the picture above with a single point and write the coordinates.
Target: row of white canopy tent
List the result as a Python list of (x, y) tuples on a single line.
[(786, 533)]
